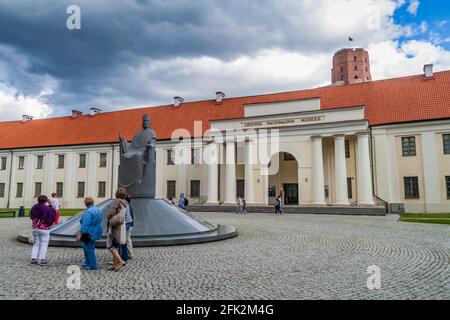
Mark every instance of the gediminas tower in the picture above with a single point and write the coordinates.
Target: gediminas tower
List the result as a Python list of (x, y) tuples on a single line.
[(351, 66)]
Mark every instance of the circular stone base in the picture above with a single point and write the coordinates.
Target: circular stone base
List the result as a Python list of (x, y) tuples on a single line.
[(156, 223)]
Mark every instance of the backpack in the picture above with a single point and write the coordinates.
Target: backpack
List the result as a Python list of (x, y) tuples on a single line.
[(186, 202)]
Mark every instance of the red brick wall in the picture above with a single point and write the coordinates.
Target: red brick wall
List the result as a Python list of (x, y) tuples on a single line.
[(349, 64)]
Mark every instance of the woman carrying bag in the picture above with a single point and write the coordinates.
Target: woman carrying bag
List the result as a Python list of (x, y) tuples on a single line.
[(90, 231), (117, 234)]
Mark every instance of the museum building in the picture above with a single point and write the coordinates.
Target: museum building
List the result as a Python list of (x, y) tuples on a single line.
[(356, 142)]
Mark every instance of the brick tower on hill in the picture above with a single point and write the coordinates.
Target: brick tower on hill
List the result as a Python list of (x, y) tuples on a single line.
[(350, 66)]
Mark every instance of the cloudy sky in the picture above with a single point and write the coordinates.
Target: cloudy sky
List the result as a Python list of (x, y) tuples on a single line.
[(131, 53)]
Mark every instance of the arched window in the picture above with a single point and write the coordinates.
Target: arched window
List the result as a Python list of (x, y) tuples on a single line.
[(356, 68), (356, 77), (354, 58)]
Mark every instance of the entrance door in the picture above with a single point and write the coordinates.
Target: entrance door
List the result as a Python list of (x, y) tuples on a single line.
[(290, 193), (240, 188)]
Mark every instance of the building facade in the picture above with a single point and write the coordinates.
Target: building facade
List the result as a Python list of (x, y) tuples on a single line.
[(359, 144)]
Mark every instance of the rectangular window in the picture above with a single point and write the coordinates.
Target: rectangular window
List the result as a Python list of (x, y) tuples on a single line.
[(3, 164), (170, 158), (446, 140), (349, 188), (37, 189), (411, 187), (195, 156), (21, 163), (82, 161), (60, 161), (171, 189), (327, 191), (447, 186), (40, 162), (272, 191), (103, 160), (19, 191), (80, 190), (347, 148), (101, 189), (2, 190), (288, 157), (195, 188), (409, 146), (59, 189)]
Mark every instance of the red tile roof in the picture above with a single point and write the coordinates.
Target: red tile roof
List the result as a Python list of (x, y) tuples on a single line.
[(387, 101)]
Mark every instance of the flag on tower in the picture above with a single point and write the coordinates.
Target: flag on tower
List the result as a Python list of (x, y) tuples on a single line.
[(350, 39)]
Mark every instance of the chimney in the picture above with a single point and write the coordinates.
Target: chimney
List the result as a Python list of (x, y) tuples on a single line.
[(26, 118), (219, 97), (177, 101), (428, 70), (76, 113), (95, 111)]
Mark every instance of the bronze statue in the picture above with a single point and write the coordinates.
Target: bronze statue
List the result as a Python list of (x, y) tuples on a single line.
[(138, 162)]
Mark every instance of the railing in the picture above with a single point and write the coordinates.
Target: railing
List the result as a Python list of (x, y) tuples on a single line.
[(381, 203)]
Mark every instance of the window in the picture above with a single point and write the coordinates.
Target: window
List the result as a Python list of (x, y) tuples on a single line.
[(171, 189), (170, 158), (61, 161), (409, 146), (3, 164), (195, 188), (354, 58), (37, 189), (2, 190), (272, 191), (327, 191), (349, 188), (367, 70), (40, 162), (80, 190), (446, 141), (103, 160), (101, 189), (288, 157), (21, 163), (411, 187), (59, 189), (347, 148), (342, 69), (342, 77), (195, 156), (356, 68), (19, 190), (82, 161), (447, 186), (356, 77)]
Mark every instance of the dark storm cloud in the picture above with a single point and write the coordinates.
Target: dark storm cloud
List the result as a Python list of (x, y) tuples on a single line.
[(119, 35)]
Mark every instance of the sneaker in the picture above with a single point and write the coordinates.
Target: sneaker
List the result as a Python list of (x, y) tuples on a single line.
[(43, 262), (34, 261)]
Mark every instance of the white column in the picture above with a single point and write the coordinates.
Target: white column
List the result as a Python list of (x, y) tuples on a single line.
[(340, 171), (230, 175), (92, 169), (183, 159), (29, 185), (318, 176), (213, 173), (364, 181), (249, 167), (264, 169), (49, 170), (159, 173), (70, 181)]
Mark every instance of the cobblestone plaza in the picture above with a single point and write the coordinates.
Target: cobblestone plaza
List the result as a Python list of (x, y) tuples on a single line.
[(274, 257)]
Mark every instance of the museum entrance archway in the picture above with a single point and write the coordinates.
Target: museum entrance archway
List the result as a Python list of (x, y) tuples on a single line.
[(286, 178)]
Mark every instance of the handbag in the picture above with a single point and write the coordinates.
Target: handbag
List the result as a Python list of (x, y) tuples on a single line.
[(85, 238), (119, 218)]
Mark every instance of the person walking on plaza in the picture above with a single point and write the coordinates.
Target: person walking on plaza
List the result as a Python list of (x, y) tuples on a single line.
[(116, 235), (54, 200), (183, 202), (42, 215), (127, 249), (90, 231), (279, 206), (240, 205), (281, 195), (244, 206)]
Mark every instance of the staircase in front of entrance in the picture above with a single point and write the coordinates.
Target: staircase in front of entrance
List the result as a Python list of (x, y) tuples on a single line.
[(333, 210)]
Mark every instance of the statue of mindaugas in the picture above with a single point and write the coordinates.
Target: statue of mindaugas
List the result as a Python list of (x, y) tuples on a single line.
[(137, 170)]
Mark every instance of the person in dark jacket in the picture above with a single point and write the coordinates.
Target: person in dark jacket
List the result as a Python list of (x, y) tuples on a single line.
[(42, 215), (90, 231)]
